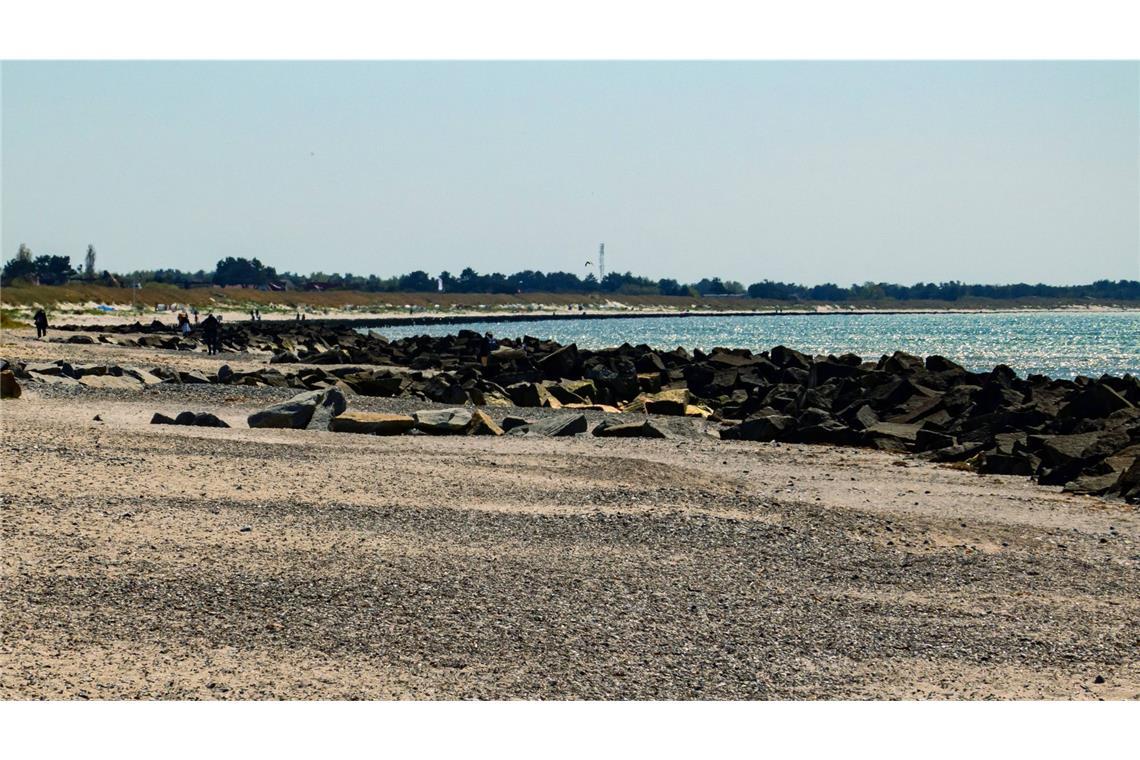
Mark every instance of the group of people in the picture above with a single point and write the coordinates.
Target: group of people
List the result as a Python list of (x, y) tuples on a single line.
[(211, 329)]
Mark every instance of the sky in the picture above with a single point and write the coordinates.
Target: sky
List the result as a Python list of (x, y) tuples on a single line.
[(806, 172)]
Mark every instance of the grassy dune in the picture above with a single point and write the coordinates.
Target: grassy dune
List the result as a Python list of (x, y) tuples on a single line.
[(24, 296)]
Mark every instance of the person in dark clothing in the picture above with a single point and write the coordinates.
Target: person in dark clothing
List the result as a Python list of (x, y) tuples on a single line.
[(41, 323), (486, 346), (211, 331)]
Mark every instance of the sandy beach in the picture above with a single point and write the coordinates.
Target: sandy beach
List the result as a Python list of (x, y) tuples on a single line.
[(145, 561)]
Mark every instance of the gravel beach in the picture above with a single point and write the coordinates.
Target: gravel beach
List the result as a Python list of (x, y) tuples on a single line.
[(161, 562)]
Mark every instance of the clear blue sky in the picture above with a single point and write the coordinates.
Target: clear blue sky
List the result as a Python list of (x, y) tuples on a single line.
[(808, 172)]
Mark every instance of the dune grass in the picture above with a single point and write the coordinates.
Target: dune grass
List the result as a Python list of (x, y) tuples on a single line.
[(8, 320), (236, 298)]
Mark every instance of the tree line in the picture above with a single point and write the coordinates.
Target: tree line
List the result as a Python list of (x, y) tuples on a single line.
[(237, 271)]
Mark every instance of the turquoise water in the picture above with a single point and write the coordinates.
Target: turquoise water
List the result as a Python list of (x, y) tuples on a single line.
[(1058, 344)]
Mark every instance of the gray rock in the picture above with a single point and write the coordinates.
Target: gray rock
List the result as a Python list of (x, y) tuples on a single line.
[(443, 421), (9, 388), (298, 412), (511, 422), (112, 382), (371, 423), (561, 425), (193, 377), (766, 428), (616, 428)]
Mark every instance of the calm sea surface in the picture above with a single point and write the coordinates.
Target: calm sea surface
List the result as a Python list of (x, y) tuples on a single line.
[(1058, 344)]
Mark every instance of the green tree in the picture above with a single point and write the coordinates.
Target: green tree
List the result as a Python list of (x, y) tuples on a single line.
[(244, 272), (16, 269), (53, 270)]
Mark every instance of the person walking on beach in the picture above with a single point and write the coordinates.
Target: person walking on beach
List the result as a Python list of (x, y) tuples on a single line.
[(183, 323), (211, 330), (41, 323)]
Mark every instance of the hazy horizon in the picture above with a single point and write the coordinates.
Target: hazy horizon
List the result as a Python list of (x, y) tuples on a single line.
[(804, 172)]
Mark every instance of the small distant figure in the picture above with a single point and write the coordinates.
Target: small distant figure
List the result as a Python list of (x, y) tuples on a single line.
[(184, 323), (210, 331), (302, 317), (194, 311), (41, 323), (486, 346), (252, 315), (258, 313), (298, 316)]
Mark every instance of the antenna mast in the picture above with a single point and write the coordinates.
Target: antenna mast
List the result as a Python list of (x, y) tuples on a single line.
[(601, 262)]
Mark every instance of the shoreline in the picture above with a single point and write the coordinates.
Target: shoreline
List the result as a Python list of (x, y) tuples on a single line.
[(376, 319)]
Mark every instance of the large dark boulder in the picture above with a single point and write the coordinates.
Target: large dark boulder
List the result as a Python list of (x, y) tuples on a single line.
[(378, 383), (768, 428), (9, 388), (1128, 484), (511, 422), (932, 440), (564, 362), (528, 394), (829, 369), (942, 364), (650, 362), (901, 363), (298, 412), (823, 430), (561, 425), (1008, 464), (782, 356), (1094, 402), (892, 436)]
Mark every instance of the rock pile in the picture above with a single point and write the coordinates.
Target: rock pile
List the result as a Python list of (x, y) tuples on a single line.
[(200, 419), (1083, 434)]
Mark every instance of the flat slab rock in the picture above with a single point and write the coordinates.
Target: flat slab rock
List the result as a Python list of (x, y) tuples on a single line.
[(443, 421), (643, 429), (372, 423), (555, 427)]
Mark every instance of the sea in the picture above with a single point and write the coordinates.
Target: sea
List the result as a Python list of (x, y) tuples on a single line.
[(1061, 344)]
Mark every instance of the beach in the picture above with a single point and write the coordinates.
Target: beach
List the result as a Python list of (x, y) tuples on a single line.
[(146, 561)]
